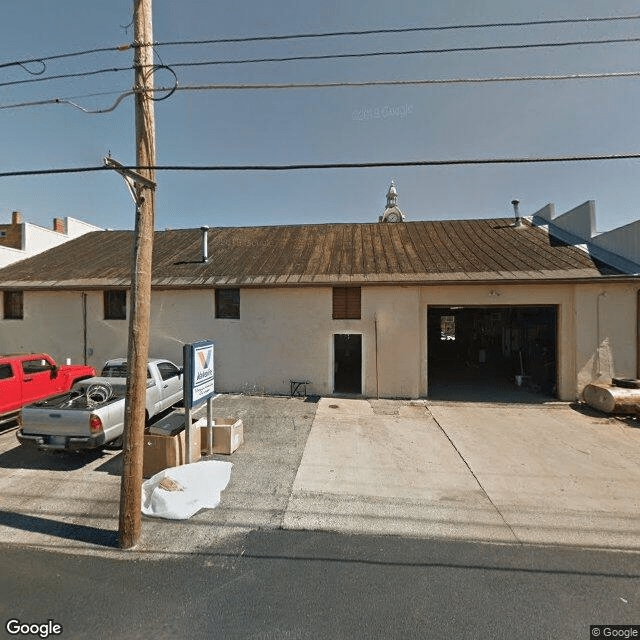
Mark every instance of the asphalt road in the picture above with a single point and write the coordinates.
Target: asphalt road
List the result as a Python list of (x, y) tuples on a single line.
[(286, 584)]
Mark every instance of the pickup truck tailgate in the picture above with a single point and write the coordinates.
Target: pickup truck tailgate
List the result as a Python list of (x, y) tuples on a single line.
[(55, 422)]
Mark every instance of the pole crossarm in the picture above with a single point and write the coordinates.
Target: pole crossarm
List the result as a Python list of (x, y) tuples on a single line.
[(129, 174), (135, 181)]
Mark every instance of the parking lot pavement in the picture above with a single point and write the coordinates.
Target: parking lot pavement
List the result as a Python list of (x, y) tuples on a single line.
[(545, 474), (70, 502)]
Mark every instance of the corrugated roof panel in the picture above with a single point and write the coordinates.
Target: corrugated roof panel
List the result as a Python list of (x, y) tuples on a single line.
[(456, 250)]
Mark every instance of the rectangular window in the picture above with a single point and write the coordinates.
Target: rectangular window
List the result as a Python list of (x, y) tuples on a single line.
[(346, 303), (5, 372), (115, 305), (36, 366), (168, 370), (13, 305), (228, 303)]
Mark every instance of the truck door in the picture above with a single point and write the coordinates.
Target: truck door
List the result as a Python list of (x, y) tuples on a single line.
[(38, 379), (10, 389), (171, 384)]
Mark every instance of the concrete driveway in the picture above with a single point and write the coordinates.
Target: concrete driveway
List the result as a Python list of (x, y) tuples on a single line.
[(545, 474)]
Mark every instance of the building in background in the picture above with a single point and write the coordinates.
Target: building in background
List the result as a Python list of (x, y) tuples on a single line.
[(20, 240), (433, 308)]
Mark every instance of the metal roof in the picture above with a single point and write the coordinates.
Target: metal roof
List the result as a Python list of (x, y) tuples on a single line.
[(320, 254)]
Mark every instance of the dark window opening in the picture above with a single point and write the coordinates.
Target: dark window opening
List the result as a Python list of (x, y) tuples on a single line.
[(115, 305), (228, 303), (346, 303), (13, 305)]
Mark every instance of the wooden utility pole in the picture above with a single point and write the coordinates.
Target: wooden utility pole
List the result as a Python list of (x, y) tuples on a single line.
[(140, 304)]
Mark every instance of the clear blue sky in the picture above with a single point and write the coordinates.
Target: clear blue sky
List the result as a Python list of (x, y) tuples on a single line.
[(325, 125)]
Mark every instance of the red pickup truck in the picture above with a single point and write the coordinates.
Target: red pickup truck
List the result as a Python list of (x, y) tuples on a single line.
[(25, 378)]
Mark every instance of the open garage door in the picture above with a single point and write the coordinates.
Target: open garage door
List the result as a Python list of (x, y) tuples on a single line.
[(493, 354)]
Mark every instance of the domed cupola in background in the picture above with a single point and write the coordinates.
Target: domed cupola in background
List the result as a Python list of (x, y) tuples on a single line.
[(391, 212)]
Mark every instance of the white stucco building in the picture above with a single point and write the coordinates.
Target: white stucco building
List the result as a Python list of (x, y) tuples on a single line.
[(389, 309), (20, 240)]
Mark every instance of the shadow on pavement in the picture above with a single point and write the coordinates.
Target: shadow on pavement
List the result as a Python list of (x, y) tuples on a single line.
[(586, 410), (358, 549), (24, 458), (112, 466), (78, 532)]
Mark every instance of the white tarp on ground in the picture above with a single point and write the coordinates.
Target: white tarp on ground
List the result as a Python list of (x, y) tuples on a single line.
[(191, 487)]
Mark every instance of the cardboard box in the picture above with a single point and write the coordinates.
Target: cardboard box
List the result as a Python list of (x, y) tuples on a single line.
[(162, 452), (170, 425), (228, 434)]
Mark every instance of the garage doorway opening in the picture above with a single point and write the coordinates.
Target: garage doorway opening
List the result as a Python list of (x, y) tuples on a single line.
[(347, 363), (492, 354)]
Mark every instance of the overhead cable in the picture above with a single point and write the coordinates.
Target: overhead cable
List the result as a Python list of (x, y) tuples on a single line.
[(365, 32), (383, 83), (331, 56), (67, 100), (41, 60), (335, 165), (319, 85), (124, 47), (369, 54), (64, 76)]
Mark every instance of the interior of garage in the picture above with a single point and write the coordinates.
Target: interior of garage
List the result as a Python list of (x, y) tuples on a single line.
[(493, 354)]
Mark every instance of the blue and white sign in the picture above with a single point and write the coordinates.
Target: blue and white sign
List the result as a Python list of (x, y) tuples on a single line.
[(198, 372)]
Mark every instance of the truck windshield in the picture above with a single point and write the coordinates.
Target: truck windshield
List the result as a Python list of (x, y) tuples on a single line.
[(118, 370)]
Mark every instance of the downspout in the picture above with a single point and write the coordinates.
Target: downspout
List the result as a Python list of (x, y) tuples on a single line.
[(598, 347), (638, 336), (375, 327)]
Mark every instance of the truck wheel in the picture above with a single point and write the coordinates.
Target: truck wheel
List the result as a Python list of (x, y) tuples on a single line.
[(114, 445), (626, 383)]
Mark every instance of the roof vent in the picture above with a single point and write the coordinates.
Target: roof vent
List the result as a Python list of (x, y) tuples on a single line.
[(205, 243), (391, 212), (517, 221)]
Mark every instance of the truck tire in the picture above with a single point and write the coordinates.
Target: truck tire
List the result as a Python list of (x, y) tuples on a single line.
[(626, 383), (114, 445)]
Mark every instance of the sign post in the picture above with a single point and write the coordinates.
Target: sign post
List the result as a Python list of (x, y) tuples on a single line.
[(198, 385)]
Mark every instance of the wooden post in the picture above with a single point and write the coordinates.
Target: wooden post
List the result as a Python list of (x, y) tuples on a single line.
[(140, 300)]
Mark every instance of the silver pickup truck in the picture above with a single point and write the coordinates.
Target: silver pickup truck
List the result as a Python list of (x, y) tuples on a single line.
[(91, 414)]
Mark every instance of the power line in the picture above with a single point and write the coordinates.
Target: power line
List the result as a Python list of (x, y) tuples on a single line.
[(452, 27), (375, 83), (506, 47), (67, 100), (64, 76), (59, 56), (333, 56), (323, 85), (329, 34), (335, 165)]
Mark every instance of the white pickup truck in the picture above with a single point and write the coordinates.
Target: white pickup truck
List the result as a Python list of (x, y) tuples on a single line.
[(91, 414)]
